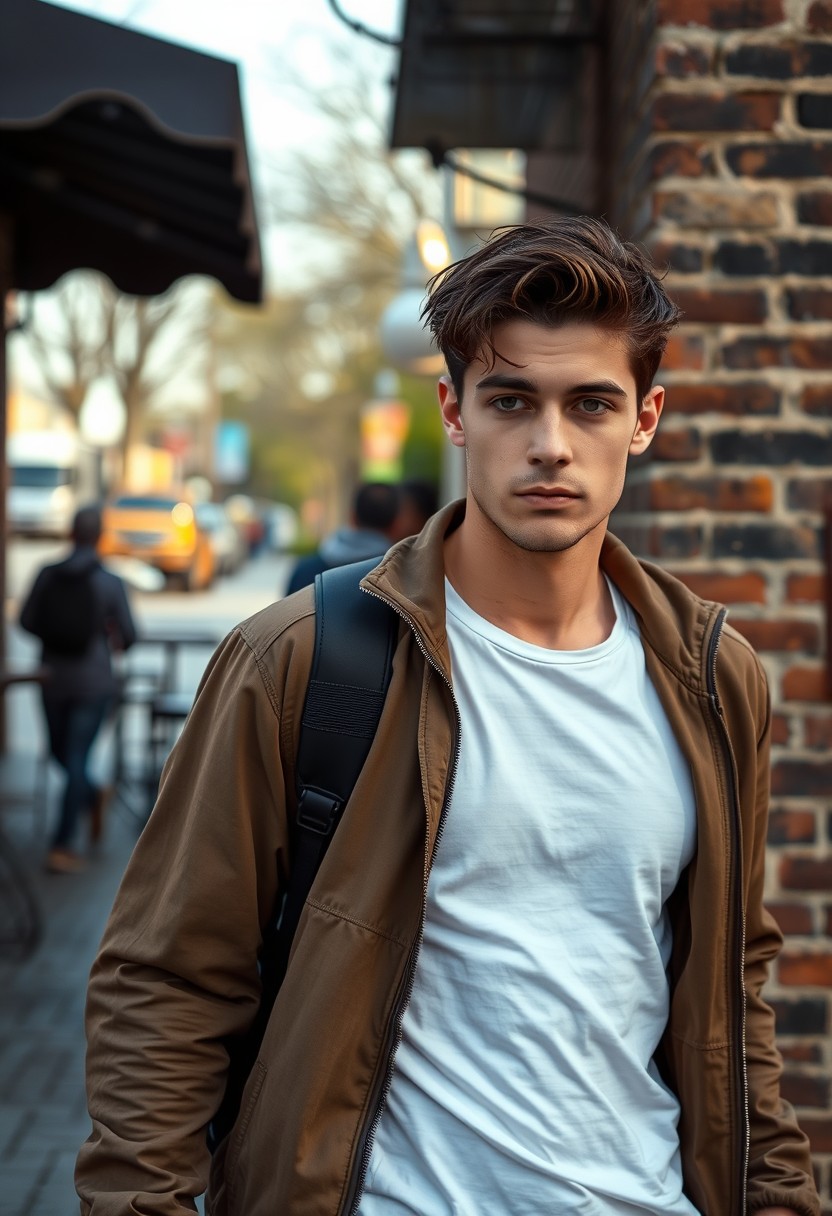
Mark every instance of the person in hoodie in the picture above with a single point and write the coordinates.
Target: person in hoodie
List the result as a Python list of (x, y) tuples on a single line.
[(369, 534), (81, 685)]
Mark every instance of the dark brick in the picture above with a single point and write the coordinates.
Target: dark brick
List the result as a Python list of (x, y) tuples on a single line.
[(704, 304), (815, 207), (682, 541), (745, 257), (806, 1015), (804, 1089), (677, 256), (809, 304), (791, 827), (817, 734), (775, 542), (813, 59), (801, 1053), (716, 111), (809, 493), (790, 160), (743, 399), (676, 444), (804, 257), (803, 352), (819, 1130), (814, 110), (816, 399), (774, 62), (721, 14), (679, 61), (677, 158), (771, 447)]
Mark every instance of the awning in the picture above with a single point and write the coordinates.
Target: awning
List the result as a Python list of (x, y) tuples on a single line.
[(121, 153), (493, 74)]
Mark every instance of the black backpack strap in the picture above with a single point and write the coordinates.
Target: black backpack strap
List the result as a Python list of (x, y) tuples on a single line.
[(355, 636)]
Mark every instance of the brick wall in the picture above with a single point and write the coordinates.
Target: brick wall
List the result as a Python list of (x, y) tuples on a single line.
[(723, 165)]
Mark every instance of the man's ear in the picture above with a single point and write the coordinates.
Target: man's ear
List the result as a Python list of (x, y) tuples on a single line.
[(449, 407), (648, 420)]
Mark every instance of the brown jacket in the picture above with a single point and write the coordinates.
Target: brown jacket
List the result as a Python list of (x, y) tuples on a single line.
[(176, 973)]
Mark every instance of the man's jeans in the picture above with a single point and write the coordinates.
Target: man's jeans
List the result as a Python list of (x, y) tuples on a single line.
[(73, 726)]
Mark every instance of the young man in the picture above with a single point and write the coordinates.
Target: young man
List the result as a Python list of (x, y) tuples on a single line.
[(527, 977)]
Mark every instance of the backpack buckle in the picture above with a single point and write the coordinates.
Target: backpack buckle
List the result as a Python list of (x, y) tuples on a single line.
[(317, 811)]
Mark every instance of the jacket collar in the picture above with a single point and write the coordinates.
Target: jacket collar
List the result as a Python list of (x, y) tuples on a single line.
[(674, 623)]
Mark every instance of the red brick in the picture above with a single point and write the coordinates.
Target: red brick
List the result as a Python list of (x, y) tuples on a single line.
[(781, 730), (802, 352), (745, 588), (684, 351), (805, 874), (818, 732), (795, 920), (805, 684), (804, 1089), (678, 444), (819, 1130), (681, 158), (716, 111), (811, 970), (780, 635), (819, 17), (792, 827), (678, 60), (815, 207), (809, 304), (805, 588), (713, 493), (816, 399), (801, 1052), (733, 307), (721, 14)]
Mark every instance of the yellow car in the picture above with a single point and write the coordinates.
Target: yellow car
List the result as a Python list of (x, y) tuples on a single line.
[(160, 529)]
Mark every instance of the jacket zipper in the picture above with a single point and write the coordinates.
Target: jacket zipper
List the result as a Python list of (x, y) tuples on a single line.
[(742, 1066), (394, 1031)]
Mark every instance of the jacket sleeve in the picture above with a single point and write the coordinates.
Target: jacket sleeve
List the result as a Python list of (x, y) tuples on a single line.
[(30, 612), (176, 972), (779, 1167)]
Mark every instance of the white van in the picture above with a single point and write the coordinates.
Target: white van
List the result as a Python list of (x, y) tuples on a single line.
[(51, 474)]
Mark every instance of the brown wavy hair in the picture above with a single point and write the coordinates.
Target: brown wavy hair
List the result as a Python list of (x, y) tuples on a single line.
[(571, 269)]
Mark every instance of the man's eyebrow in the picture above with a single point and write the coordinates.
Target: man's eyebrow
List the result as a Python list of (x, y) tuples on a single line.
[(521, 384)]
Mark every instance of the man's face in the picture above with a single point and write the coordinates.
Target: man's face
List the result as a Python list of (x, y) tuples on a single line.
[(547, 435)]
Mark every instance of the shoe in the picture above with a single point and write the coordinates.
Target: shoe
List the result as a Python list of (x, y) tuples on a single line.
[(64, 861), (97, 808)]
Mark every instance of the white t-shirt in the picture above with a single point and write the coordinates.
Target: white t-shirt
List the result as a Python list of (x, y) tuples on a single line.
[(525, 1083)]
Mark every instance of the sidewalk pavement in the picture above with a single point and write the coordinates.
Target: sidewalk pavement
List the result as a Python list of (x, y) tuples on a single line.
[(43, 1115)]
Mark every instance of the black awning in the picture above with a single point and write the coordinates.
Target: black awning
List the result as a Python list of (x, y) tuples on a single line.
[(493, 74), (121, 153)]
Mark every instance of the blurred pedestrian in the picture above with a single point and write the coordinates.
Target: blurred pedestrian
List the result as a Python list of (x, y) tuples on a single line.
[(80, 613), (418, 500), (369, 534)]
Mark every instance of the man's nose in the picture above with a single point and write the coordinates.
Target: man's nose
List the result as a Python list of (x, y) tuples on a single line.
[(550, 442)]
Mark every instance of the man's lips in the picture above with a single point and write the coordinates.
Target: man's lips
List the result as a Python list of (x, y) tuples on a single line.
[(556, 493)]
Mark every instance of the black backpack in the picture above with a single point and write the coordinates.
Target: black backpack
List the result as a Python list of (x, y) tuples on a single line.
[(355, 636), (68, 615)]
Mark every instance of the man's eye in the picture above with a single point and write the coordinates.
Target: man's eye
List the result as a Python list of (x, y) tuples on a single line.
[(508, 405), (592, 406)]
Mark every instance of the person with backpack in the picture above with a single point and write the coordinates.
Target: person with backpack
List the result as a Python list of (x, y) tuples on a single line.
[(523, 967), (368, 534), (81, 614)]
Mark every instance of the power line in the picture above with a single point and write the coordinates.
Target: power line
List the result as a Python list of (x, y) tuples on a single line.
[(532, 196), (358, 28)]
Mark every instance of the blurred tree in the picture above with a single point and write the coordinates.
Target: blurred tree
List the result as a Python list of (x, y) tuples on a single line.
[(84, 329), (300, 369)]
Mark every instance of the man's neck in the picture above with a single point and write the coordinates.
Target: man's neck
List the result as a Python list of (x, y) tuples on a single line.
[(556, 600)]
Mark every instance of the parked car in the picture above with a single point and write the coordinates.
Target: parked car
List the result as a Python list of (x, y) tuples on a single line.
[(161, 529), (226, 541)]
